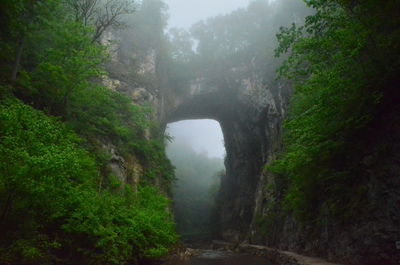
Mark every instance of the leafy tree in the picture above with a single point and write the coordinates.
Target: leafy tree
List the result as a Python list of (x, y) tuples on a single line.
[(41, 171), (55, 57), (59, 202), (102, 15), (339, 64), (67, 64), (19, 20), (179, 62), (232, 47)]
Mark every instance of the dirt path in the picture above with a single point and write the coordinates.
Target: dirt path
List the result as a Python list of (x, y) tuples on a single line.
[(283, 257), (304, 260)]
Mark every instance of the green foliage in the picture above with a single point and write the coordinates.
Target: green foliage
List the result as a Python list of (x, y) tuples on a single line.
[(65, 60), (59, 73), (234, 46), (144, 41), (156, 161), (41, 169), (50, 204), (338, 62), (125, 226), (59, 204), (98, 112)]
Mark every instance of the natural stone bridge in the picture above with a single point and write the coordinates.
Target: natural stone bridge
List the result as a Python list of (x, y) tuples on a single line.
[(250, 115)]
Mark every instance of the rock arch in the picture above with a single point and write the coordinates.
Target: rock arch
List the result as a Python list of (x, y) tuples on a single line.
[(250, 116)]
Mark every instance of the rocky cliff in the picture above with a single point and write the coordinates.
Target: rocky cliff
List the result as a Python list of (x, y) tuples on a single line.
[(250, 114), (369, 233), (250, 111), (134, 74)]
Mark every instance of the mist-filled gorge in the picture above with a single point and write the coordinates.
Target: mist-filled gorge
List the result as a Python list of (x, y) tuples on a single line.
[(187, 132), (199, 167)]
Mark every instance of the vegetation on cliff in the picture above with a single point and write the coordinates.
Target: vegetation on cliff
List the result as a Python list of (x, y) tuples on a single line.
[(54, 209), (59, 201), (343, 63), (229, 47)]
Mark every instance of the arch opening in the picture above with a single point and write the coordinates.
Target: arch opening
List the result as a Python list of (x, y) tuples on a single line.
[(197, 151)]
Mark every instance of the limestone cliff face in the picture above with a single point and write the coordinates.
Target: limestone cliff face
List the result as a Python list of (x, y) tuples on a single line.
[(122, 76), (249, 111), (250, 114), (368, 234), (250, 201)]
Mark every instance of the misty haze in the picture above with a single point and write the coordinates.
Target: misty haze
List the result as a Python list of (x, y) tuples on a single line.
[(199, 132), (203, 136)]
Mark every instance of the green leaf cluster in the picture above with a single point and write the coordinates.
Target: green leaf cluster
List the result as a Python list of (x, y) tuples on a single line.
[(338, 62), (59, 202), (51, 209), (61, 70)]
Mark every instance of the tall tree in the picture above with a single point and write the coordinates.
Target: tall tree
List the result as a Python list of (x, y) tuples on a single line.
[(101, 14)]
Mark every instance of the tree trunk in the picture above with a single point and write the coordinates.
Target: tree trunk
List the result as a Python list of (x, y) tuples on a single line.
[(18, 56), (7, 208)]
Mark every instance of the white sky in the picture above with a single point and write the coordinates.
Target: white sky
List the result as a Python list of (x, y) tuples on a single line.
[(184, 13)]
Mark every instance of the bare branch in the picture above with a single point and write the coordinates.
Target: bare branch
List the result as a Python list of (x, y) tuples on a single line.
[(101, 14)]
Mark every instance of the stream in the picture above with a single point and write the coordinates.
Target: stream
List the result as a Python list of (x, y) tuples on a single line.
[(214, 257)]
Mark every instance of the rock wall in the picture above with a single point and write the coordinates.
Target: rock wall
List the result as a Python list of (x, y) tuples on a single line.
[(249, 111), (368, 235), (250, 201), (124, 76), (250, 115)]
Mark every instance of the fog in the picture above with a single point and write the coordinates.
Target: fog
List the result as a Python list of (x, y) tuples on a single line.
[(197, 152), (220, 42), (184, 13), (195, 190), (169, 43), (203, 136), (203, 26)]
